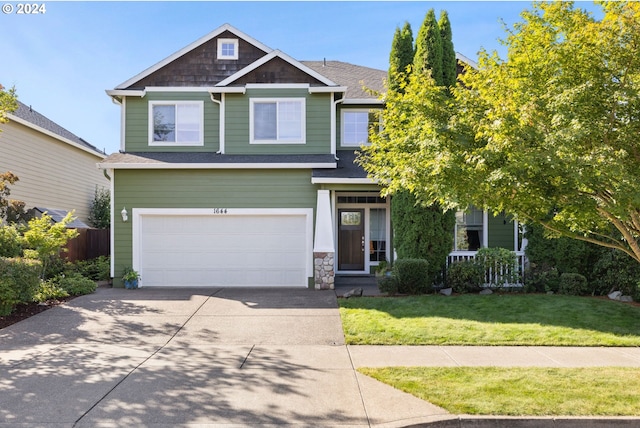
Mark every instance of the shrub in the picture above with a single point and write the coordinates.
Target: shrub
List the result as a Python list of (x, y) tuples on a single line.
[(388, 284), (10, 242), (615, 270), (19, 279), (98, 269), (573, 284), (499, 266), (412, 276), (541, 279), (465, 276), (76, 284), (49, 290)]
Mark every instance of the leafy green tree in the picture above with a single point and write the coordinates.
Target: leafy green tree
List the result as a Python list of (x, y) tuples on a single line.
[(400, 57), (428, 56), (549, 134), (45, 239), (8, 103), (449, 69), (100, 210), (6, 179)]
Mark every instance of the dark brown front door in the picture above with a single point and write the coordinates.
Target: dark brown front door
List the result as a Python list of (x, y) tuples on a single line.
[(351, 239)]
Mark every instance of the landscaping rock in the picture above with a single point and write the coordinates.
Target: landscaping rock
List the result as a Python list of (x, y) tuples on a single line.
[(626, 299), (356, 292), (486, 291), (446, 291), (615, 295)]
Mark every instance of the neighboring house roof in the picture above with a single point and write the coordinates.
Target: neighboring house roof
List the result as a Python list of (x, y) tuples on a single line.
[(215, 160), (57, 216), (27, 116), (355, 77)]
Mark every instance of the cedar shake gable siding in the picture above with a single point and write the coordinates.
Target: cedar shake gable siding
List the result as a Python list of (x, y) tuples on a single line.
[(201, 67), (277, 70)]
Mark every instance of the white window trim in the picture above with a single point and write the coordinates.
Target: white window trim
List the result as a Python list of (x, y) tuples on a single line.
[(234, 42), (342, 121), (200, 142), (303, 121)]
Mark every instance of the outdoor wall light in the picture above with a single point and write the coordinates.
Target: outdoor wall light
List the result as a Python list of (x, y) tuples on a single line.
[(125, 214)]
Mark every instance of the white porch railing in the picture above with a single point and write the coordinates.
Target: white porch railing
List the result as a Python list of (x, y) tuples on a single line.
[(496, 276)]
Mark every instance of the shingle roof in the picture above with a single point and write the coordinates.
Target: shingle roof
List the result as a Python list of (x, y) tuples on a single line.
[(213, 158), (352, 76), (347, 168), (28, 114)]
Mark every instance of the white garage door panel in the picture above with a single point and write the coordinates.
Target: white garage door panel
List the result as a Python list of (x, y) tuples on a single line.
[(223, 250)]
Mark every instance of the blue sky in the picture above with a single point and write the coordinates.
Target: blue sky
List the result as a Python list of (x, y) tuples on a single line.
[(62, 61)]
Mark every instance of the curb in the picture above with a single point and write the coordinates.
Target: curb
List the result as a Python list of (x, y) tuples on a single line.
[(531, 422)]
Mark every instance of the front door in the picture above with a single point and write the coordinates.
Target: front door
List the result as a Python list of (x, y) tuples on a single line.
[(351, 239)]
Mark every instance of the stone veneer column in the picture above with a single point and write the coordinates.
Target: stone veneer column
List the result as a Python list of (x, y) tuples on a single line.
[(323, 246), (323, 271)]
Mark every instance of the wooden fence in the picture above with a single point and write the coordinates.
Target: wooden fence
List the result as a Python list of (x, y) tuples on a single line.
[(89, 244)]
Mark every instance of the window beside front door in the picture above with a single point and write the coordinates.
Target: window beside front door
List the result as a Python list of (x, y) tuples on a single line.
[(277, 121), (377, 234)]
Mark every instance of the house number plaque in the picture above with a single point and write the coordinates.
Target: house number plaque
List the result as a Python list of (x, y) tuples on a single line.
[(220, 211)]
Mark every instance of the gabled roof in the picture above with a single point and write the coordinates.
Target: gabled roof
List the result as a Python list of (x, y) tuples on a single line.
[(192, 46), (270, 56), (27, 116)]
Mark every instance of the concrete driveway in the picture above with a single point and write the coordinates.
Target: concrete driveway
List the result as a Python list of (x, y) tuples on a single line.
[(235, 357)]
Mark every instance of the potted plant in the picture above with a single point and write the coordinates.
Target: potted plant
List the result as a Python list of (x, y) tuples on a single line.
[(130, 278), (383, 269)]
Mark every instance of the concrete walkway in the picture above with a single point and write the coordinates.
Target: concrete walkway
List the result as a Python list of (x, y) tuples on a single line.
[(228, 357)]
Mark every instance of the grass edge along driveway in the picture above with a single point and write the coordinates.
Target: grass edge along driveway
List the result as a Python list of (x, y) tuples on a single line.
[(497, 319), (520, 391)]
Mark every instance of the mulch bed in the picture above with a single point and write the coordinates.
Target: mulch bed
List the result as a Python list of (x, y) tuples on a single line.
[(26, 310)]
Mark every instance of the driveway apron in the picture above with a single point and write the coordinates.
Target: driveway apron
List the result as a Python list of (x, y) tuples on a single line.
[(180, 357)]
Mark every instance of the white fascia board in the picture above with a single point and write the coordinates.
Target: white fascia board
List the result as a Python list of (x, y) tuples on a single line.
[(326, 89), (28, 124), (333, 180), (330, 165), (466, 60), (125, 93), (227, 90), (269, 57), (353, 101), (200, 41)]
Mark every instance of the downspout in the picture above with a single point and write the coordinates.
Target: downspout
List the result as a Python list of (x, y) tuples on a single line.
[(334, 112), (221, 125)]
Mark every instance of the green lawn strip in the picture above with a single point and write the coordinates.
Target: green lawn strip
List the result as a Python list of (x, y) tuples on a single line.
[(601, 391), (498, 319)]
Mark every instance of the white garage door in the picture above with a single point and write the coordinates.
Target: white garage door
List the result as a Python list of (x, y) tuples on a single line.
[(239, 248)]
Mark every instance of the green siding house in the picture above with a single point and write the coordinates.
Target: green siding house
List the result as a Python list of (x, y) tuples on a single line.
[(237, 168)]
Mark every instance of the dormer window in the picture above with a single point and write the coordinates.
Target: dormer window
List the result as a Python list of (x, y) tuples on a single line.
[(227, 48)]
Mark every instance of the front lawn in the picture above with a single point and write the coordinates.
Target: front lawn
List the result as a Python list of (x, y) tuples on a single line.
[(607, 391), (497, 319)]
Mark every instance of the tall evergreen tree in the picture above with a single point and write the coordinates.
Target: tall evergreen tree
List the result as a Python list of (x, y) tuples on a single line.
[(401, 57), (449, 70), (421, 231), (428, 54)]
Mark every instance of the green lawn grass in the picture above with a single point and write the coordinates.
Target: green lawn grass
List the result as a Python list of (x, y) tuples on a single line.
[(602, 391), (497, 319)]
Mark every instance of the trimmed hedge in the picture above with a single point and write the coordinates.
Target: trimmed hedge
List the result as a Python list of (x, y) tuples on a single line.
[(412, 276)]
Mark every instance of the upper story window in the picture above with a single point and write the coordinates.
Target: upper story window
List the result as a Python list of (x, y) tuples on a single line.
[(176, 123), (355, 127), (227, 48), (277, 121)]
